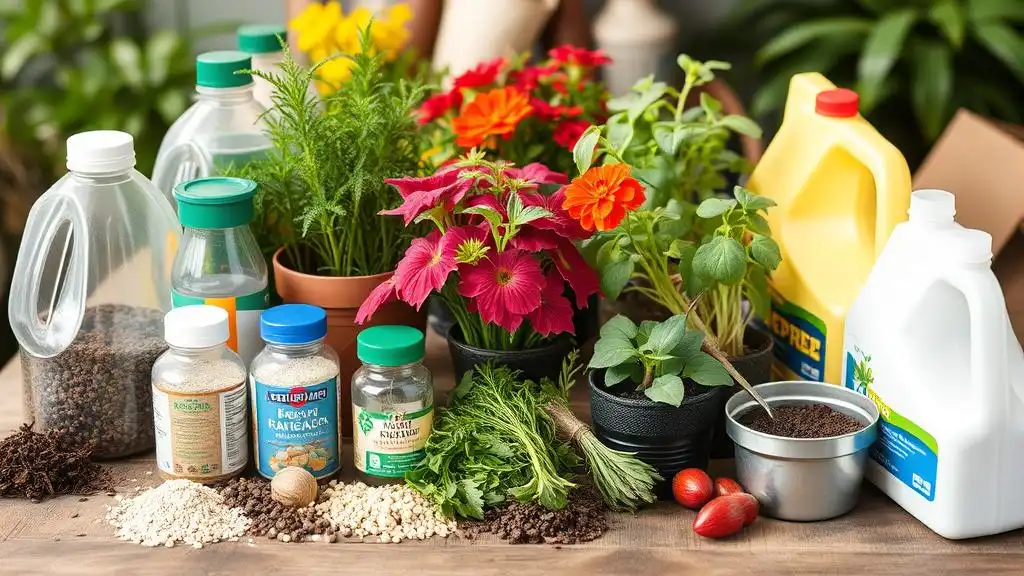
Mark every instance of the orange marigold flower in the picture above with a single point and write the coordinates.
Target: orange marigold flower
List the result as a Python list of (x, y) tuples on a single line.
[(494, 113), (600, 198)]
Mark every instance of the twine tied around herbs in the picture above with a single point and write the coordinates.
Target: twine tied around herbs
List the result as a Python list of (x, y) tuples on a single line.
[(567, 423)]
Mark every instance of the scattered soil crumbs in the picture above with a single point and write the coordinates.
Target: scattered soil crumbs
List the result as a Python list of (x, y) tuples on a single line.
[(39, 466), (805, 421), (582, 520), (270, 518)]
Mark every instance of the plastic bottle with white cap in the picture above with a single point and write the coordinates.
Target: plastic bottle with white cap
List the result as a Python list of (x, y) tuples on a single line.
[(930, 341), (94, 269), (200, 398)]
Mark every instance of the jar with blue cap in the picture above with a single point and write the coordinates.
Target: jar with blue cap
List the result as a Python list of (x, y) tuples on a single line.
[(392, 403), (295, 396), (218, 261)]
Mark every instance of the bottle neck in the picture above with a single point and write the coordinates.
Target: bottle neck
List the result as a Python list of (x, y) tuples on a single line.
[(208, 353), (103, 178), (237, 95), (296, 350), (387, 370)]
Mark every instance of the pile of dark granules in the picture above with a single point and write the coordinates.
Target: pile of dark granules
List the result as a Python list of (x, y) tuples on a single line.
[(42, 465), (99, 388), (582, 520), (805, 421), (273, 519)]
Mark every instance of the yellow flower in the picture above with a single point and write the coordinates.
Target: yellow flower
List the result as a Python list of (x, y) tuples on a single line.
[(389, 32), (315, 25), (333, 73), (346, 35)]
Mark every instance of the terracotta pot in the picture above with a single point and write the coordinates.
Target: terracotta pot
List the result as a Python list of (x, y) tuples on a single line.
[(341, 297)]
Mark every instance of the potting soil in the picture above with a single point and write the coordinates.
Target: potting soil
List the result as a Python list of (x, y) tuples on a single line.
[(804, 421)]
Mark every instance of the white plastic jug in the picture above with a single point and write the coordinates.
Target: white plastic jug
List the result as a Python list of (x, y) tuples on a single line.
[(90, 287), (929, 340), (223, 127)]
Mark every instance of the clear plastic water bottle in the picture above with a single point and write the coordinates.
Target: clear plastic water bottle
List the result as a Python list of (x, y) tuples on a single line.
[(223, 128), (90, 288), (263, 43)]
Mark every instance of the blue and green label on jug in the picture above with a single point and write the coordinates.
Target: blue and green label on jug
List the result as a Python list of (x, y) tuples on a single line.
[(903, 448), (799, 342), (297, 426), (243, 319)]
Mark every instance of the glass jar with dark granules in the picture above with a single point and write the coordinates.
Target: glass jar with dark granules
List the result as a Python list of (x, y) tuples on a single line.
[(99, 388)]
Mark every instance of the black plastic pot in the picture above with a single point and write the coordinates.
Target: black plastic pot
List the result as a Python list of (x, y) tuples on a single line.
[(536, 363), (756, 367), (438, 315), (666, 437)]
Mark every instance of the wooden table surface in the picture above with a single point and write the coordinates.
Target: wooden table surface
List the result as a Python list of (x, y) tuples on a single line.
[(66, 536)]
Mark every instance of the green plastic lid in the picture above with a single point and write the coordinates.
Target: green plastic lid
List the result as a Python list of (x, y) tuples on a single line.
[(217, 202), (261, 38), (218, 69), (390, 345)]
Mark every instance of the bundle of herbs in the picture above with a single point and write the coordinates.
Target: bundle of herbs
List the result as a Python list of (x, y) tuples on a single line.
[(504, 437)]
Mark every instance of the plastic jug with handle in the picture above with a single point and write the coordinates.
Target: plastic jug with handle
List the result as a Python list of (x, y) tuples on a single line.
[(840, 189), (223, 128), (930, 341), (90, 287)]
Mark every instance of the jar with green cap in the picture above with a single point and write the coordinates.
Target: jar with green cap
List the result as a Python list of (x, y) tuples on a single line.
[(218, 261), (392, 403), (223, 128)]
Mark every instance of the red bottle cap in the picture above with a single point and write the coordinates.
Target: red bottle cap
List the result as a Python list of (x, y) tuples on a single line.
[(838, 103)]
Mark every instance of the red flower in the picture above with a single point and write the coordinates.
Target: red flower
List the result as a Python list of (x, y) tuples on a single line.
[(534, 239), (438, 105), (528, 79), (506, 287), (560, 221), (554, 315), (550, 112), (385, 292), (580, 276), (422, 194), (568, 54), (424, 268), (537, 173), (568, 132), (483, 74), (494, 113)]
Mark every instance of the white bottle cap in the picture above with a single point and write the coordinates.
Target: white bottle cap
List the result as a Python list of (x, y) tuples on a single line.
[(933, 206), (968, 246), (197, 326), (101, 151)]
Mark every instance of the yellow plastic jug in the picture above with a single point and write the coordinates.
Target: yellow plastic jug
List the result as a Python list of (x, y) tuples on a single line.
[(841, 188)]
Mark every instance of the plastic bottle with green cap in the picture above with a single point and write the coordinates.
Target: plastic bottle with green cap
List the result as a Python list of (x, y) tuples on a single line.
[(223, 128), (218, 261), (392, 403)]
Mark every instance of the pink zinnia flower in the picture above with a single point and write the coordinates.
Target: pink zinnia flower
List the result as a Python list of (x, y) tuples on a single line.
[(534, 239), (554, 315), (560, 221), (537, 173), (505, 286), (424, 268), (422, 194), (571, 265), (384, 293)]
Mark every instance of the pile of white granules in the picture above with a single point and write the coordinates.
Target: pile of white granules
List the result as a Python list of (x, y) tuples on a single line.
[(177, 511), (181, 511), (389, 513)]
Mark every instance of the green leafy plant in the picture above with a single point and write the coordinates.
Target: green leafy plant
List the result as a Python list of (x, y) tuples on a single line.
[(678, 153), (908, 59), (70, 66), (323, 185), (710, 278), (656, 357), (862, 374)]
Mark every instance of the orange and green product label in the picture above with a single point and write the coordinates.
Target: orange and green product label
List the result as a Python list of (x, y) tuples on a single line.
[(799, 342), (243, 319)]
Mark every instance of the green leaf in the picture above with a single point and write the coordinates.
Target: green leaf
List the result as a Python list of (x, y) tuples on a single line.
[(881, 51), (689, 344), (711, 106), (803, 33), (473, 498), (706, 371), (620, 131), (619, 327), (757, 224), (948, 15), (464, 386), (693, 282), (994, 10), (646, 98), (18, 53), (742, 125), (1003, 42), (160, 50), (128, 59), (631, 370), (490, 214), (721, 259), (667, 335), (713, 207), (667, 389), (676, 248), (932, 86), (583, 152), (757, 291), (614, 277), (765, 252), (610, 352), (643, 333), (756, 201)]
